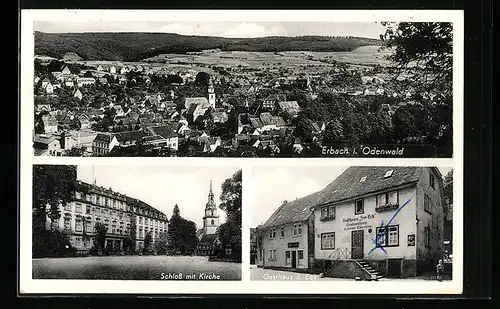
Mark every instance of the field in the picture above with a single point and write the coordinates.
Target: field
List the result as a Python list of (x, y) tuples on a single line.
[(133, 268)]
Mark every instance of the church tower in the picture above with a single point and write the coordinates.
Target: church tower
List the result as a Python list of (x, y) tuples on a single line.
[(211, 93), (211, 219)]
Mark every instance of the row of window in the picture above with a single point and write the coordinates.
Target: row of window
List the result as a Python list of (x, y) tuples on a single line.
[(296, 231), (272, 256), (386, 198), (79, 208), (385, 237)]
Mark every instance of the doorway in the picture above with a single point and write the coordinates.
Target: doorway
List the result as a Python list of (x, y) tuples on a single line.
[(357, 239), (294, 259)]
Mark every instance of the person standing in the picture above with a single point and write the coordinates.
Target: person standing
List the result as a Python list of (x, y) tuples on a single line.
[(439, 269)]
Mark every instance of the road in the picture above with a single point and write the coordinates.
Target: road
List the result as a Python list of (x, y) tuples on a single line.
[(135, 268)]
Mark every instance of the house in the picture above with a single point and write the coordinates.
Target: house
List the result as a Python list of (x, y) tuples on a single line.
[(85, 121), (46, 144), (49, 88), (166, 132), (50, 123), (119, 112), (370, 91), (45, 82), (66, 140), (103, 143), (85, 81), (270, 102), (43, 108), (100, 68), (196, 110), (386, 218), (123, 70), (286, 239), (122, 79), (194, 100), (292, 108), (69, 83), (129, 138), (103, 81), (78, 94), (220, 117), (112, 69), (66, 71)]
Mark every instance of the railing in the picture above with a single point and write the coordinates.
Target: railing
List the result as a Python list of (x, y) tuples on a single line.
[(337, 255)]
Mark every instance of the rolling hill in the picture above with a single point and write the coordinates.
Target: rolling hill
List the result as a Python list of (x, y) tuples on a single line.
[(137, 46)]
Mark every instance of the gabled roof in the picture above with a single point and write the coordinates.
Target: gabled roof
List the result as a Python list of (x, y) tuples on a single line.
[(266, 118), (208, 238), (196, 100), (348, 185), (44, 139), (164, 131), (103, 138), (256, 123), (129, 136)]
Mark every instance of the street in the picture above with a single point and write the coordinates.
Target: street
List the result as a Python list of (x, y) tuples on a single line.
[(135, 268)]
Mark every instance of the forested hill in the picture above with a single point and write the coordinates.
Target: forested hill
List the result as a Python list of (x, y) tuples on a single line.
[(137, 46)]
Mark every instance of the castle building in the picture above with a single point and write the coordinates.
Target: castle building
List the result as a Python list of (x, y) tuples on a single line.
[(207, 235), (94, 204)]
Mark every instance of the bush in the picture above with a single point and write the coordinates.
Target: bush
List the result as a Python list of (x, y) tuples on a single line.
[(52, 243)]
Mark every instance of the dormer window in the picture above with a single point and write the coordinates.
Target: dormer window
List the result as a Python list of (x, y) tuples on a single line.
[(388, 174), (362, 179)]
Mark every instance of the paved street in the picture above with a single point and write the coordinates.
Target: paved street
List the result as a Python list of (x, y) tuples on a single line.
[(135, 268)]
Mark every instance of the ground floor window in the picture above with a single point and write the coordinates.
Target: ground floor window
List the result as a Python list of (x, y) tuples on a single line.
[(327, 241), (387, 236)]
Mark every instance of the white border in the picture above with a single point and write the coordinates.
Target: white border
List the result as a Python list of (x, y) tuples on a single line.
[(29, 285)]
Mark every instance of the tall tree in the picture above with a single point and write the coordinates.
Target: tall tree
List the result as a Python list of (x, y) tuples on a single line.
[(448, 187), (181, 234), (229, 233), (147, 242), (100, 236), (423, 54), (53, 186)]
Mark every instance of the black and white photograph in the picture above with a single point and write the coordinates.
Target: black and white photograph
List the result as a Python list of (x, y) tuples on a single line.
[(136, 223), (242, 89), (357, 223)]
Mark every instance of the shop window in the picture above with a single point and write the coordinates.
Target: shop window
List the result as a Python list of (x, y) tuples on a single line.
[(359, 206), (328, 241), (328, 212), (287, 258)]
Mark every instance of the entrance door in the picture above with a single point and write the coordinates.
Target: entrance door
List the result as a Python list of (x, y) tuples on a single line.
[(357, 244), (294, 259)]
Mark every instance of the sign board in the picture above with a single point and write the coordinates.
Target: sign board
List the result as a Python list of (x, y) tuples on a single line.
[(411, 240), (293, 245), (358, 222)]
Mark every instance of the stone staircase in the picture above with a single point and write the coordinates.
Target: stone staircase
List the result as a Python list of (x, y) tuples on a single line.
[(375, 274)]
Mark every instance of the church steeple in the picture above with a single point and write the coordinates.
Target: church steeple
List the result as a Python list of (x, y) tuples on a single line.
[(211, 218), (211, 93)]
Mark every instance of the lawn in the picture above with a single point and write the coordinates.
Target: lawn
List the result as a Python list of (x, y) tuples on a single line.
[(135, 268)]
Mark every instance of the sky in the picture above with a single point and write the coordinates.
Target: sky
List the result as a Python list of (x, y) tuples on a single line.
[(293, 183), (163, 187), (223, 29)]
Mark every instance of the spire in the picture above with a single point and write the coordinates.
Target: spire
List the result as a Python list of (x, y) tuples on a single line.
[(210, 203)]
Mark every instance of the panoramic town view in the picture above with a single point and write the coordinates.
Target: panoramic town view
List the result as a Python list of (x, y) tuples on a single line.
[(365, 223), (297, 94), (91, 222)]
